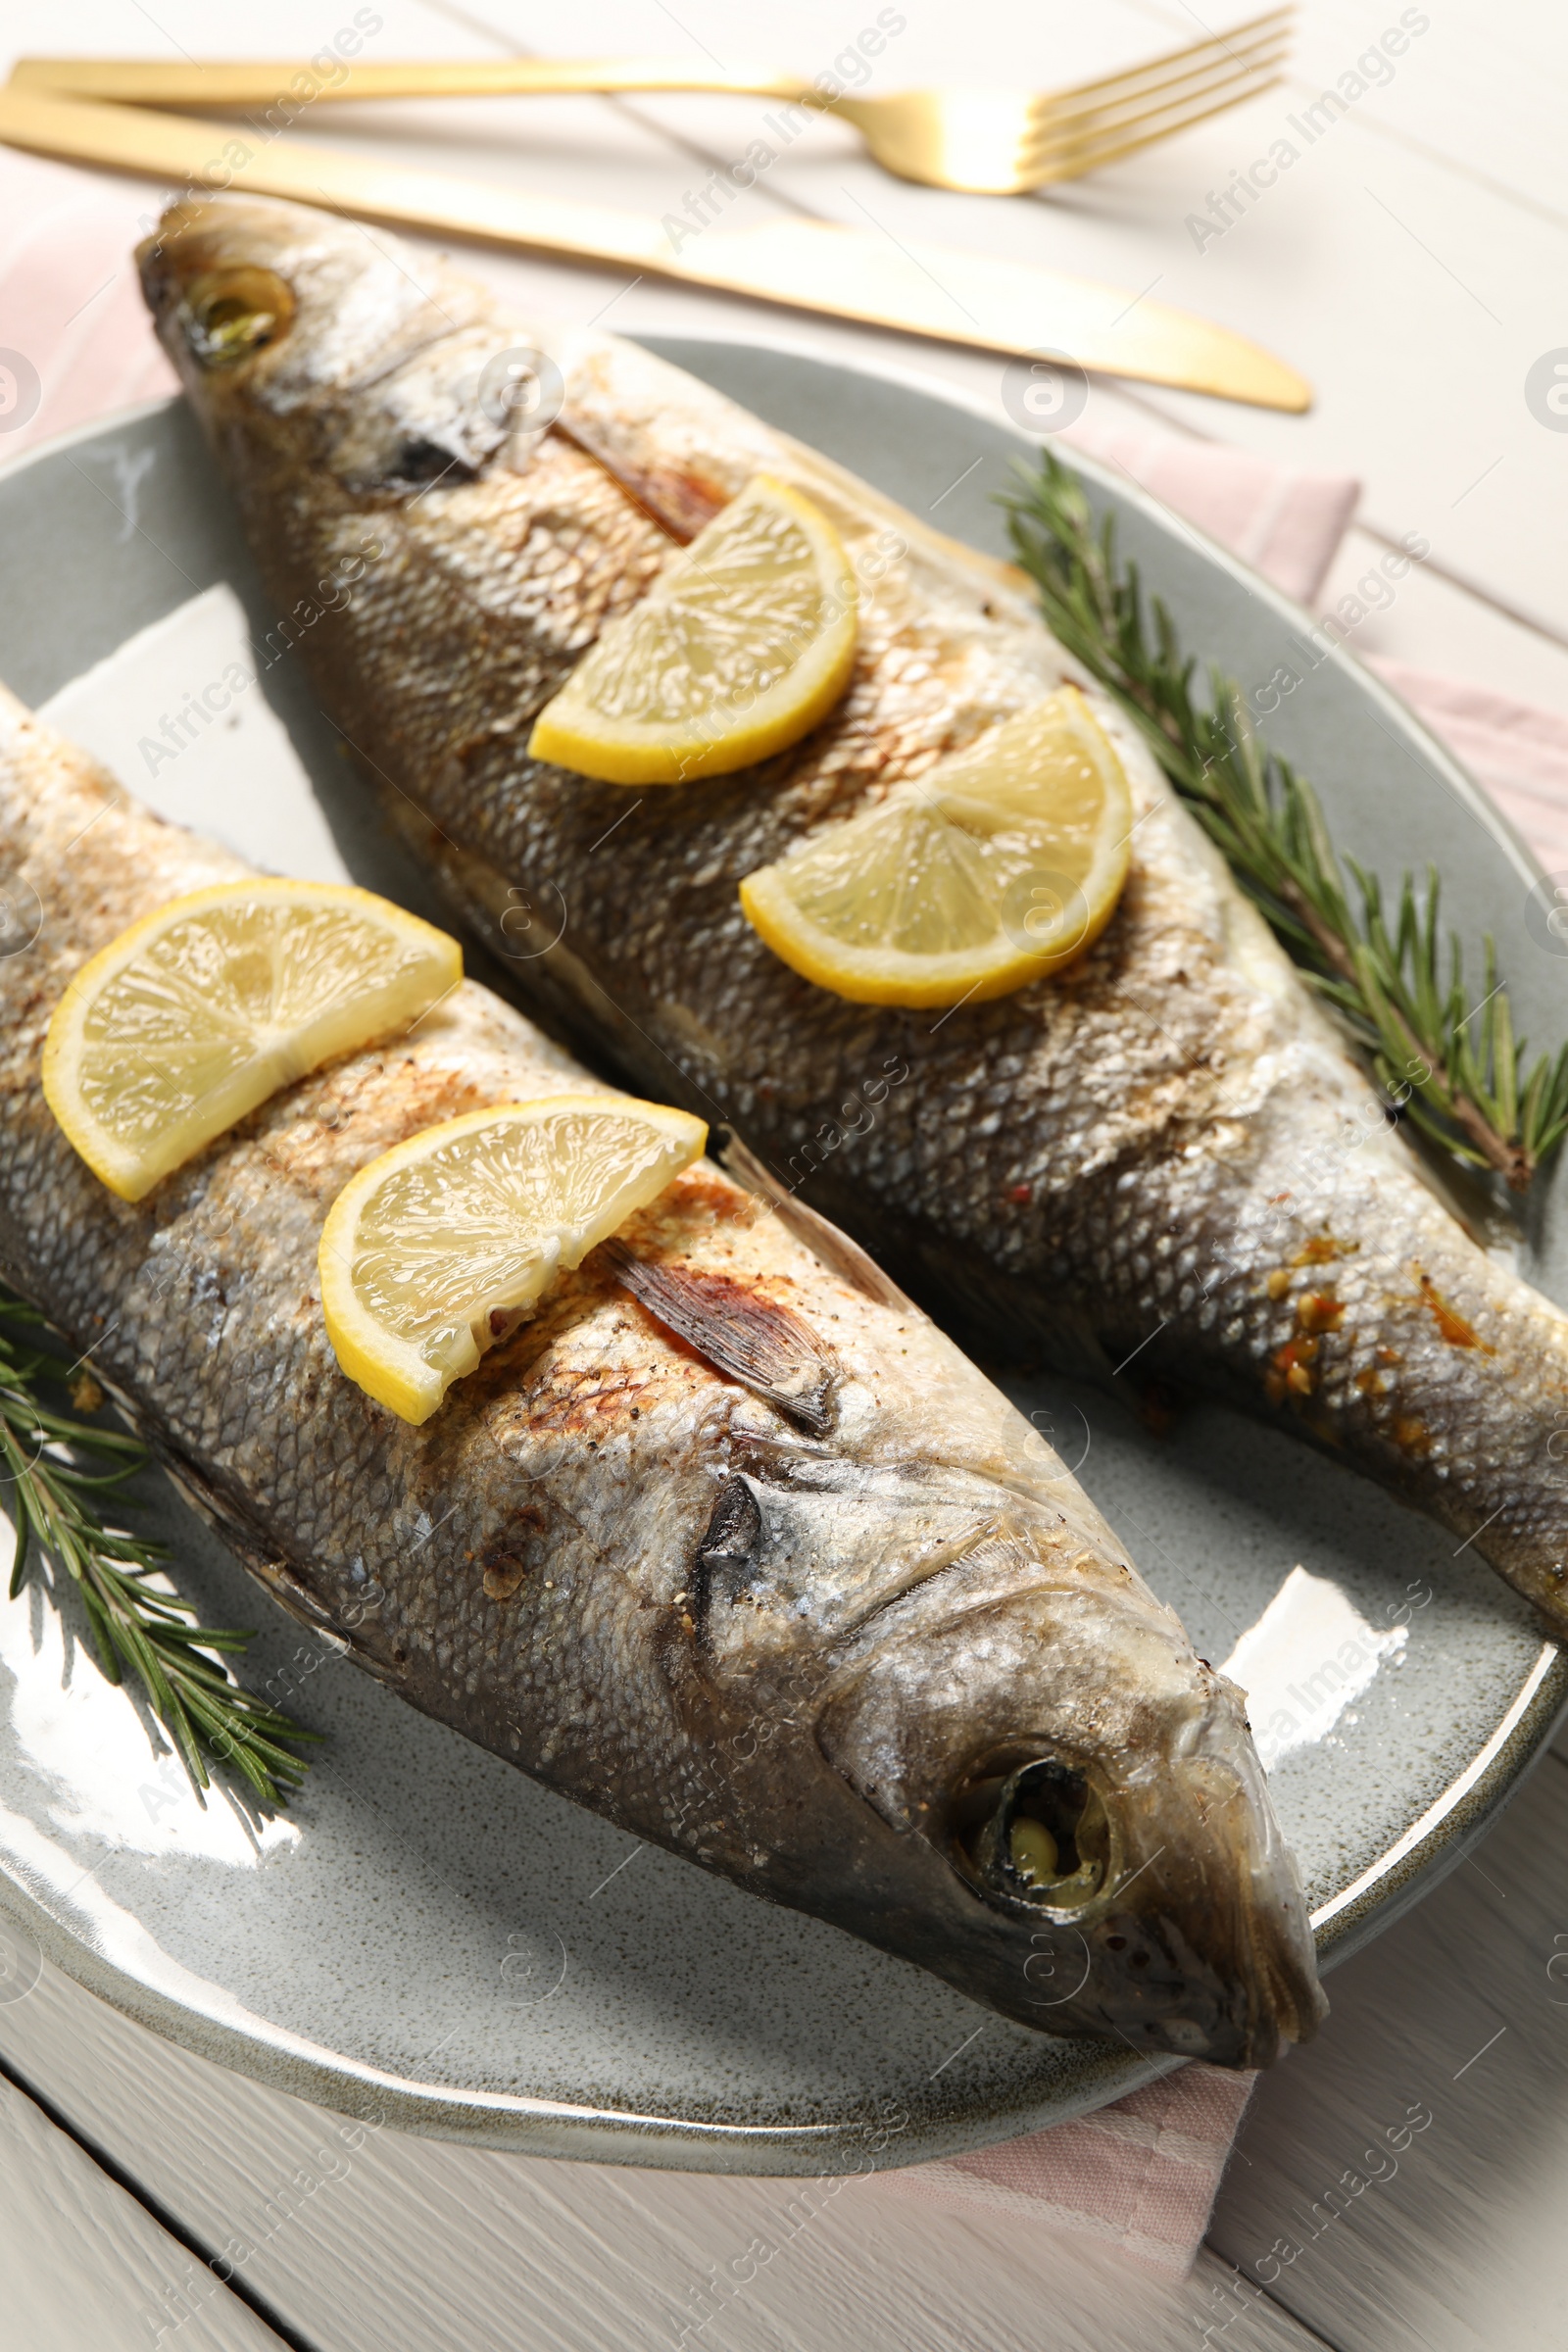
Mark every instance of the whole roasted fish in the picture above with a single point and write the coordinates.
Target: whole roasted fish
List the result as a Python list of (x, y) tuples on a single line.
[(761, 1568), (1162, 1151)]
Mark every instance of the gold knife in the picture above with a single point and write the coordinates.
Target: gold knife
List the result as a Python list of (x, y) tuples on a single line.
[(876, 279)]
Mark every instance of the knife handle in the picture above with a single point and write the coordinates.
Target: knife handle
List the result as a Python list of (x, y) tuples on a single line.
[(146, 82)]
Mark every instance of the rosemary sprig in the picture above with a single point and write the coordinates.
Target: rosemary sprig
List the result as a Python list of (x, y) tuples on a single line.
[(134, 1622), (1455, 1067)]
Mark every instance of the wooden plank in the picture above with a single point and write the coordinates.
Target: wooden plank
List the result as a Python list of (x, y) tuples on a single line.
[(85, 2265), (1470, 71), (1478, 70), (358, 2238), (1458, 2012), (1379, 273), (1316, 267), (418, 2245), (1417, 298), (1482, 69), (1440, 627)]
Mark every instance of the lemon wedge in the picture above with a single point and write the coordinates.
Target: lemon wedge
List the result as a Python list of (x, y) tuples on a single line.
[(436, 1249), (999, 866), (197, 1013), (739, 648)]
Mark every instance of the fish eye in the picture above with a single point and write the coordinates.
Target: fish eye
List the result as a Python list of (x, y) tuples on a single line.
[(229, 314), (1036, 1833)]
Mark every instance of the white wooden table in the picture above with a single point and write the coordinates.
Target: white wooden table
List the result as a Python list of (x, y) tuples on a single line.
[(1412, 263)]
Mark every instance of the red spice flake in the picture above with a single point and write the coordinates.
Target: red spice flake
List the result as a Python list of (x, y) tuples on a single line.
[(1455, 1330), (1020, 1194), (1322, 1250), (1319, 1310)]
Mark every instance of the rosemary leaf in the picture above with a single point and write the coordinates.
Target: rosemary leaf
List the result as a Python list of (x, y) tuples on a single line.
[(134, 1622), (1457, 1069)]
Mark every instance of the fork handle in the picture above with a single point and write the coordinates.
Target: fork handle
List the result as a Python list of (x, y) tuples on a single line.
[(284, 83)]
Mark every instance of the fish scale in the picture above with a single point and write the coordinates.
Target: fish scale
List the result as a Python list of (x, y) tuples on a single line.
[(826, 1696), (1053, 1153)]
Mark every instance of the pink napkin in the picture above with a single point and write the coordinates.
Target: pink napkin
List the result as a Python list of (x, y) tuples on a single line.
[(1142, 2173), (1287, 525), (1518, 751), (70, 308)]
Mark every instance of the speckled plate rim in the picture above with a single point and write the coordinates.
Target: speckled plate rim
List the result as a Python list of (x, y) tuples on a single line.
[(199, 2016)]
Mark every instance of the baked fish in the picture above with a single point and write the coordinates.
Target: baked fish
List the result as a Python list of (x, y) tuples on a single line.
[(1162, 1152), (761, 1568)]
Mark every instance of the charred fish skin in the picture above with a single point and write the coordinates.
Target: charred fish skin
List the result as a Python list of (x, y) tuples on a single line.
[(828, 1629), (1165, 1148)]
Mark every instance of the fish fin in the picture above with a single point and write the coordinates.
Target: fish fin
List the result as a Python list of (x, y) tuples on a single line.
[(727, 1550), (275, 1576), (829, 1243), (763, 1345), (679, 504)]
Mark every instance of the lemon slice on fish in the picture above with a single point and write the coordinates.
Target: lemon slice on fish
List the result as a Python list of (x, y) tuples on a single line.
[(197, 1013), (740, 647), (999, 866), (436, 1249)]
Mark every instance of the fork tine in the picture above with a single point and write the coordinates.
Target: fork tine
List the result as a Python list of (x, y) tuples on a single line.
[(1092, 154), (1109, 85), (1183, 106), (1053, 121)]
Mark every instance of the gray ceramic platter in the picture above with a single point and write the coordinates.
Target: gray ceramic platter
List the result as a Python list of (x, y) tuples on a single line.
[(427, 1937)]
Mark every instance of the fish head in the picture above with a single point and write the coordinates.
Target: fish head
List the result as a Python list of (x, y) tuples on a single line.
[(313, 339), (1070, 1819)]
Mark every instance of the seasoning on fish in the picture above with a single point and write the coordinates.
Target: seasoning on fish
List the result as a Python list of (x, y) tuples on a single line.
[(1118, 1161), (763, 1570)]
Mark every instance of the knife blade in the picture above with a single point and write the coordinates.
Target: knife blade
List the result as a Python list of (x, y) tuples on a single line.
[(918, 288)]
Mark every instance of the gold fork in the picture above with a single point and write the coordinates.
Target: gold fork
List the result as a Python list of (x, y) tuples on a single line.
[(974, 141)]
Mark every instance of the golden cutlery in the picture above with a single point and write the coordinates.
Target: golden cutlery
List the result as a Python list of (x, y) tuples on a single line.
[(976, 141), (913, 286)]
